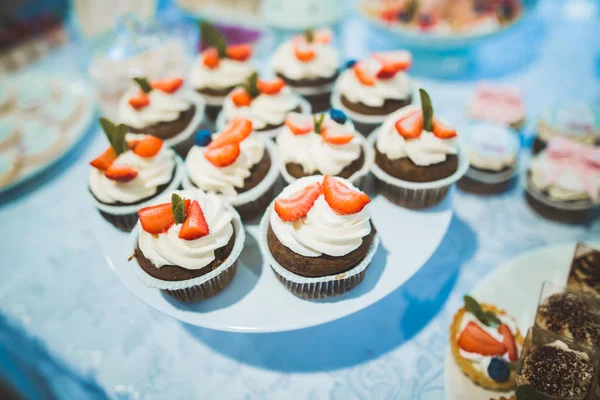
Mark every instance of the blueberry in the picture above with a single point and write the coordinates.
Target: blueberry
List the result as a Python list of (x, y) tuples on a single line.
[(499, 370), (338, 116), (350, 63), (202, 137), (404, 16), (425, 19)]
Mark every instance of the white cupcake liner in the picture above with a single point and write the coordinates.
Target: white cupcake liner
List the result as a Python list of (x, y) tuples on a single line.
[(492, 178), (318, 287), (212, 277), (194, 124), (312, 90), (305, 108)]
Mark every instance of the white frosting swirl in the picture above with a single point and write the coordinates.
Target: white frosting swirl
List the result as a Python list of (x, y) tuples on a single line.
[(225, 180), (152, 173), (168, 249), (396, 88), (228, 74), (492, 147), (322, 230), (425, 150), (264, 110), (163, 107), (324, 65)]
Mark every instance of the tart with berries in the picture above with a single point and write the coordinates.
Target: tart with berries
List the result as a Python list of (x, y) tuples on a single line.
[(131, 172), (309, 64), (188, 246), (486, 342), (320, 145), (319, 237), (164, 109), (374, 87), (236, 164), (219, 68), (264, 102)]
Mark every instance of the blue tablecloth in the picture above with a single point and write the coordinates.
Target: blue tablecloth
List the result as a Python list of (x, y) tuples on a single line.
[(70, 329)]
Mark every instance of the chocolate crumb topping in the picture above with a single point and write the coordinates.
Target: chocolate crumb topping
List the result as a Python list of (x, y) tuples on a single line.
[(570, 316), (585, 270), (557, 372)]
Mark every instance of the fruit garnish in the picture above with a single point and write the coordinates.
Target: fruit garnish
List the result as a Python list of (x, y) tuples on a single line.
[(195, 225), (202, 138), (338, 116), (116, 137), (343, 199), (362, 74), (336, 134), (410, 125), (210, 58), (270, 87), (143, 84), (240, 97), (149, 146), (159, 218), (323, 36), (487, 318), (427, 21), (442, 130), (350, 64), (499, 370), (179, 208), (318, 122), (475, 340), (427, 110), (409, 12), (211, 37), (298, 204), (392, 62), (304, 52), (299, 124), (234, 133), (509, 341), (168, 85), (105, 160), (120, 173), (139, 101), (223, 156), (239, 52)]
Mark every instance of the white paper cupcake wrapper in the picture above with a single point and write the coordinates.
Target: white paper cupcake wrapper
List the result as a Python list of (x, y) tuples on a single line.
[(579, 205), (492, 178), (313, 90), (305, 108), (134, 208), (326, 285), (192, 127), (216, 101), (150, 281), (251, 195)]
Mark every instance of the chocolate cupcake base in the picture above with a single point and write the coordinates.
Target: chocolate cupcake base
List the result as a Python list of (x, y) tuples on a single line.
[(467, 184), (316, 91), (538, 145)]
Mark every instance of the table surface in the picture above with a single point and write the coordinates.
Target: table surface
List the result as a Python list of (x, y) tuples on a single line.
[(70, 329)]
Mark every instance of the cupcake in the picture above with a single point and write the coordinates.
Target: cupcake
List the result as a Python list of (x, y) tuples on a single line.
[(309, 65), (318, 145), (417, 157), (188, 247), (575, 121), (484, 341), (584, 275), (163, 109), (499, 105), (564, 182), (265, 103), (493, 158), (238, 165), (373, 88), (318, 236), (131, 173), (219, 69)]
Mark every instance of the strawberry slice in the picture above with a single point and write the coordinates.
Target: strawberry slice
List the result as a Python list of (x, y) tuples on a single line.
[(234, 133), (304, 52), (224, 155), (241, 98), (105, 160), (410, 125), (336, 134), (271, 87), (509, 341), (195, 225), (120, 173), (341, 198), (169, 86), (149, 146), (239, 52), (299, 124), (323, 36), (210, 58), (442, 130), (363, 75), (159, 218), (298, 204), (475, 340), (392, 62), (140, 101)]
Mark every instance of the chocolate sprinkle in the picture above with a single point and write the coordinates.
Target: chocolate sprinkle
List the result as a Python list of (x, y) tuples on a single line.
[(586, 271), (557, 372)]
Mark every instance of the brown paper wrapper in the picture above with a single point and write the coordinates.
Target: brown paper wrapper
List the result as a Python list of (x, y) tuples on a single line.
[(205, 290)]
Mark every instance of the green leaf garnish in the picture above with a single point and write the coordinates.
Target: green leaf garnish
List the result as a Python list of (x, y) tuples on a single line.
[(211, 37), (251, 85), (318, 122), (410, 11), (178, 207), (427, 110), (115, 135), (528, 392), (309, 35), (143, 83), (487, 318)]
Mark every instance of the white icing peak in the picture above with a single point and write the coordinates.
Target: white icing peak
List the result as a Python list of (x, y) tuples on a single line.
[(169, 249), (324, 64), (227, 74), (321, 230), (492, 147), (163, 107), (425, 150)]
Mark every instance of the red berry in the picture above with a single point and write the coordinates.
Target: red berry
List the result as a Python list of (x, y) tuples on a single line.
[(363, 75), (224, 155), (410, 125), (168, 86), (159, 218), (239, 52), (336, 134), (304, 52), (210, 58), (120, 173), (298, 204), (234, 133), (475, 340), (140, 101), (443, 131), (509, 341), (241, 98), (105, 160), (271, 87), (323, 36), (392, 62), (149, 146), (195, 225), (343, 199), (299, 124)]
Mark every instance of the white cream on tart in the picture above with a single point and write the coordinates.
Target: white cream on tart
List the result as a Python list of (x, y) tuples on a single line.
[(492, 147), (576, 121)]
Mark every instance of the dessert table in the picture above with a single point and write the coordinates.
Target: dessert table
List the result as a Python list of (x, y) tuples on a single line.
[(70, 329)]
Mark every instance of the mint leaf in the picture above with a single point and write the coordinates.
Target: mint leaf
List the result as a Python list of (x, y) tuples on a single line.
[(318, 123), (143, 83), (309, 35), (427, 110), (211, 37), (115, 135), (528, 392), (178, 207), (251, 85), (487, 318)]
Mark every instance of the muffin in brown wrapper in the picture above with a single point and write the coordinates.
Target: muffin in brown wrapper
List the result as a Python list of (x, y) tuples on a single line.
[(205, 290), (322, 291), (415, 199), (124, 223)]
